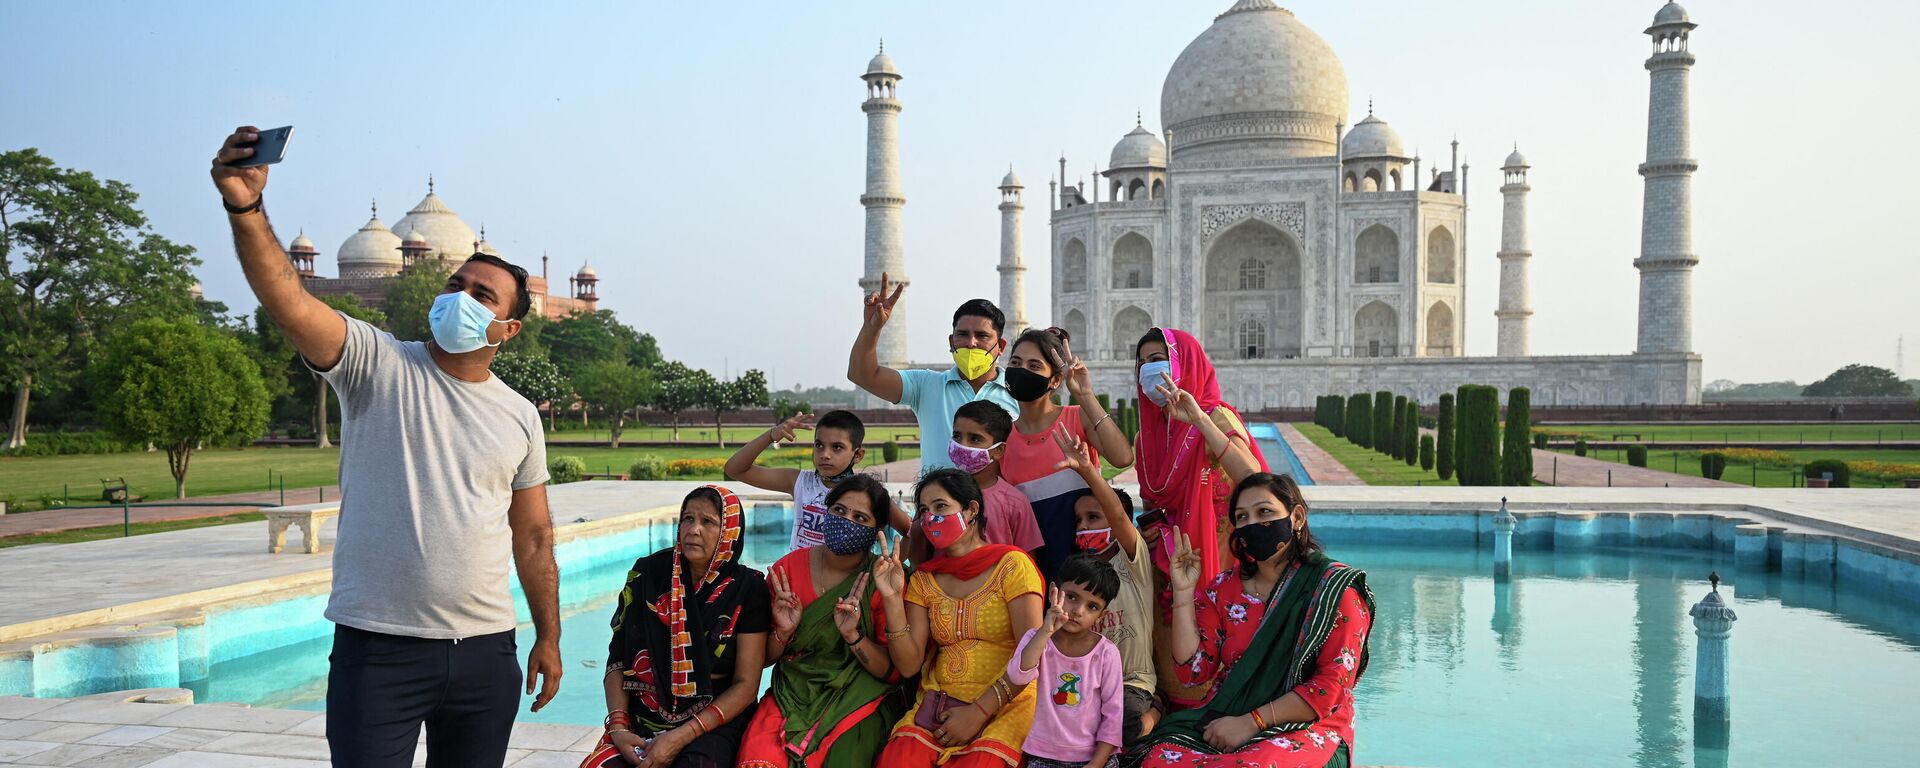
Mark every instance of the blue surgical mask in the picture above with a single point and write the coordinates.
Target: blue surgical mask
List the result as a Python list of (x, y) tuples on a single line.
[(1153, 376), (460, 322)]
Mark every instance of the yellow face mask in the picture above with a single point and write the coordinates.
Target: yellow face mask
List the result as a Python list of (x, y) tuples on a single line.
[(973, 363)]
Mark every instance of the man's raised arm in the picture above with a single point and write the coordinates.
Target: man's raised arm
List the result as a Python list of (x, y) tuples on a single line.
[(319, 333), (863, 363)]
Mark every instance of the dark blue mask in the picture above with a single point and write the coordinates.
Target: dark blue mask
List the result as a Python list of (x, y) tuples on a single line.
[(846, 537)]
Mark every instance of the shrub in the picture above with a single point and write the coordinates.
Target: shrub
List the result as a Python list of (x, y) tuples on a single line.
[(71, 443), (1884, 471), (890, 451), (1516, 459), (1397, 445), (1383, 422), (1580, 446), (1540, 440), (1637, 455), (1842, 475), (1426, 452), (693, 467), (1443, 445), (1410, 438), (1336, 415), (1360, 420), (1713, 464), (648, 467), (1479, 435), (566, 469)]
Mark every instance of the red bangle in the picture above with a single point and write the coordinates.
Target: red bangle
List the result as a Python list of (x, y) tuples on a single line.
[(715, 706)]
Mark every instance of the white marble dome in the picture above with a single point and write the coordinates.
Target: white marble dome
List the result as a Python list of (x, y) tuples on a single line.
[(1373, 137), (1010, 180), (447, 236), (586, 273), (414, 238), (1138, 149), (374, 251), (1669, 14), (1516, 160), (881, 64), (302, 244), (1257, 73)]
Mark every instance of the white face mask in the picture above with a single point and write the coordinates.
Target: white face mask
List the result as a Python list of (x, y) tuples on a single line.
[(460, 322)]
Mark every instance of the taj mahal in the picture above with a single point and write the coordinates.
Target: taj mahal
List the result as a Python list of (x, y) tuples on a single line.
[(1310, 255)]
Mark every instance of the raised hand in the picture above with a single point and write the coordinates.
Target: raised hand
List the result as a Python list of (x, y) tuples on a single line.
[(786, 607), (1185, 570), (1180, 403), (846, 610), (1056, 611), (1077, 456), (783, 432), (888, 575), (879, 304), (1079, 381), (239, 186)]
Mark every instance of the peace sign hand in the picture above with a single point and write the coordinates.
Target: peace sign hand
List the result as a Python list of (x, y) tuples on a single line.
[(1079, 381), (1185, 571), (786, 606), (1076, 455), (879, 304), (846, 610), (1056, 611), (888, 575), (1180, 402), (783, 432)]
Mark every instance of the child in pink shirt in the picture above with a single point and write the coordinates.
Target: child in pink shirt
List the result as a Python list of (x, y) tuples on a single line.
[(1077, 718)]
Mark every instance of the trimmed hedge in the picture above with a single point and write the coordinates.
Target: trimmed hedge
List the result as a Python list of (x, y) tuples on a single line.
[(1540, 440), (1842, 474), (648, 468), (1479, 435), (1637, 455), (1443, 445), (1426, 452), (1383, 422), (1360, 420), (1713, 464), (890, 451), (1580, 446), (1516, 459), (1398, 445), (1410, 438), (566, 469), (1336, 415)]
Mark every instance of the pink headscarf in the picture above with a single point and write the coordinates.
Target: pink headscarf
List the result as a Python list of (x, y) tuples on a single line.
[(1173, 455)]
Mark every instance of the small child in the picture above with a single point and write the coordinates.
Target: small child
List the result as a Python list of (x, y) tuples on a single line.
[(837, 448), (980, 431), (1076, 720), (1104, 530)]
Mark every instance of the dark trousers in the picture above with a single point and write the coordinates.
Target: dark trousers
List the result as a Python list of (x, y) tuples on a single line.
[(382, 688)]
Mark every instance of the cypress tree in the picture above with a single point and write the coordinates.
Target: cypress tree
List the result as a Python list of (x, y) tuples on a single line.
[(1398, 445), (1360, 419), (1443, 440), (1336, 415), (1479, 439), (1410, 440), (1516, 461), (1383, 422)]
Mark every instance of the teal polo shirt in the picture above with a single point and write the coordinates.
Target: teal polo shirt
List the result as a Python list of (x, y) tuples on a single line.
[(934, 396)]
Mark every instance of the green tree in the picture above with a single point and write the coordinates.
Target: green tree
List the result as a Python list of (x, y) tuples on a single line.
[(1479, 435), (1360, 419), (783, 408), (1444, 438), (583, 338), (680, 389), (1859, 381), (535, 378), (76, 260), (748, 390), (411, 295), (614, 388), (1516, 455), (178, 385), (1383, 422), (1397, 442), (1410, 434), (306, 392), (527, 342)]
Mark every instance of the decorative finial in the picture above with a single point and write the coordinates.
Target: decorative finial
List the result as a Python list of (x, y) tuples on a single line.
[(1137, 121), (883, 45), (1369, 106), (376, 207), (1714, 579), (483, 231), (429, 183)]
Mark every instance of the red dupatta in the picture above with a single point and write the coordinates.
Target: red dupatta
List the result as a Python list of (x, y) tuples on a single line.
[(1174, 467)]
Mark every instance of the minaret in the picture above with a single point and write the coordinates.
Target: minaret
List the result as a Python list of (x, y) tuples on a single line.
[(1666, 214), (1013, 269), (1513, 312), (885, 251)]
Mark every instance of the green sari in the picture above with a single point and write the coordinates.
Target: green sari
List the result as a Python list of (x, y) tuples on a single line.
[(819, 684), (1277, 660)]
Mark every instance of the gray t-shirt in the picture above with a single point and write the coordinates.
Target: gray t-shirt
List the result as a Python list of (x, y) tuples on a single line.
[(428, 467)]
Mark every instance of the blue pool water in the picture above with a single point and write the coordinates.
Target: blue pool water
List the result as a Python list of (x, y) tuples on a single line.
[(1279, 455), (1580, 659)]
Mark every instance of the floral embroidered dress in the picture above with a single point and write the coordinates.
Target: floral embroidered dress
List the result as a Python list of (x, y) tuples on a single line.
[(1320, 659)]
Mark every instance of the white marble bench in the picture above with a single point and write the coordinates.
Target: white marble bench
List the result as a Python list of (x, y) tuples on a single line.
[(308, 516)]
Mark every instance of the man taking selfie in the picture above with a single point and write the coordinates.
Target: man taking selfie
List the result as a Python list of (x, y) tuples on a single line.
[(443, 494)]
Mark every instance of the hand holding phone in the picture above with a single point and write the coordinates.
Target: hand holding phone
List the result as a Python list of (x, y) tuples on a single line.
[(269, 148)]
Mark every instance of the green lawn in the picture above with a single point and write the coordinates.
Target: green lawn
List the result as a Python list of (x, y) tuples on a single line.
[(115, 531), (1744, 473), (1787, 432), (703, 433), (1373, 467)]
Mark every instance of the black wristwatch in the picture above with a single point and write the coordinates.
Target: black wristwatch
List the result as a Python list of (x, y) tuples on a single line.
[(241, 211)]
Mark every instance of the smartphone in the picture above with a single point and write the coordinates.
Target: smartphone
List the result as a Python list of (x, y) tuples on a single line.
[(1150, 518), (269, 149)]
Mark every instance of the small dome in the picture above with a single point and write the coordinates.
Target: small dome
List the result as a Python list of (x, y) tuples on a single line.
[(1372, 137), (882, 64), (374, 251), (302, 244), (1671, 13), (1138, 149), (446, 234), (197, 291), (1010, 180), (1257, 61), (414, 239), (586, 273), (482, 246), (1516, 160)]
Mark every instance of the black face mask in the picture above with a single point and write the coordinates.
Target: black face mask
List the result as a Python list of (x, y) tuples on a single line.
[(1027, 386), (1255, 542)]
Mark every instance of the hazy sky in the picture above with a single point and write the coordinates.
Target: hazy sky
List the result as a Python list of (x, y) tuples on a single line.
[(707, 158)]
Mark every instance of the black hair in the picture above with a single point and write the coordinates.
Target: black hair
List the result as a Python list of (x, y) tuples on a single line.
[(957, 484), (1061, 334), (708, 494), (1126, 499), (521, 300), (986, 309), (1051, 350), (1304, 547), (996, 420), (879, 503), (1096, 574), (846, 421), (1152, 334)]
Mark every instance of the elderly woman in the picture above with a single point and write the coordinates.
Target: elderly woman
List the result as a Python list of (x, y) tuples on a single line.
[(974, 603), (689, 637), (1277, 641), (834, 697)]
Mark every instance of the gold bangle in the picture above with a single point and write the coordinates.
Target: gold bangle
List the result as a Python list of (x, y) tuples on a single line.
[(899, 632), (1259, 721)]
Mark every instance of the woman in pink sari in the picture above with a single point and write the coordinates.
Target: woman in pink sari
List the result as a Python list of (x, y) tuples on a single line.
[(1191, 449)]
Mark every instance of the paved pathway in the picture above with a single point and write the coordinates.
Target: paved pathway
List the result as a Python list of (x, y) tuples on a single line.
[(1588, 472), (1320, 465), (52, 520)]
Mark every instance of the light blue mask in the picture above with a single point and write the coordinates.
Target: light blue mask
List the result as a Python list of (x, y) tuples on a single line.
[(460, 322), (1152, 377)]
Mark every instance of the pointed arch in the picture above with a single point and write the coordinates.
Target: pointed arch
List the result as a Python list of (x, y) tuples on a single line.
[(1159, 189), (1440, 330), (1137, 190), (1376, 330), (1129, 324), (1371, 182), (1253, 272), (1132, 262), (1376, 255), (1073, 266), (1075, 325), (1440, 256)]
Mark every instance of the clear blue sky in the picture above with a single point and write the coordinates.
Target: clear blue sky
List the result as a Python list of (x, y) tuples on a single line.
[(707, 158)]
